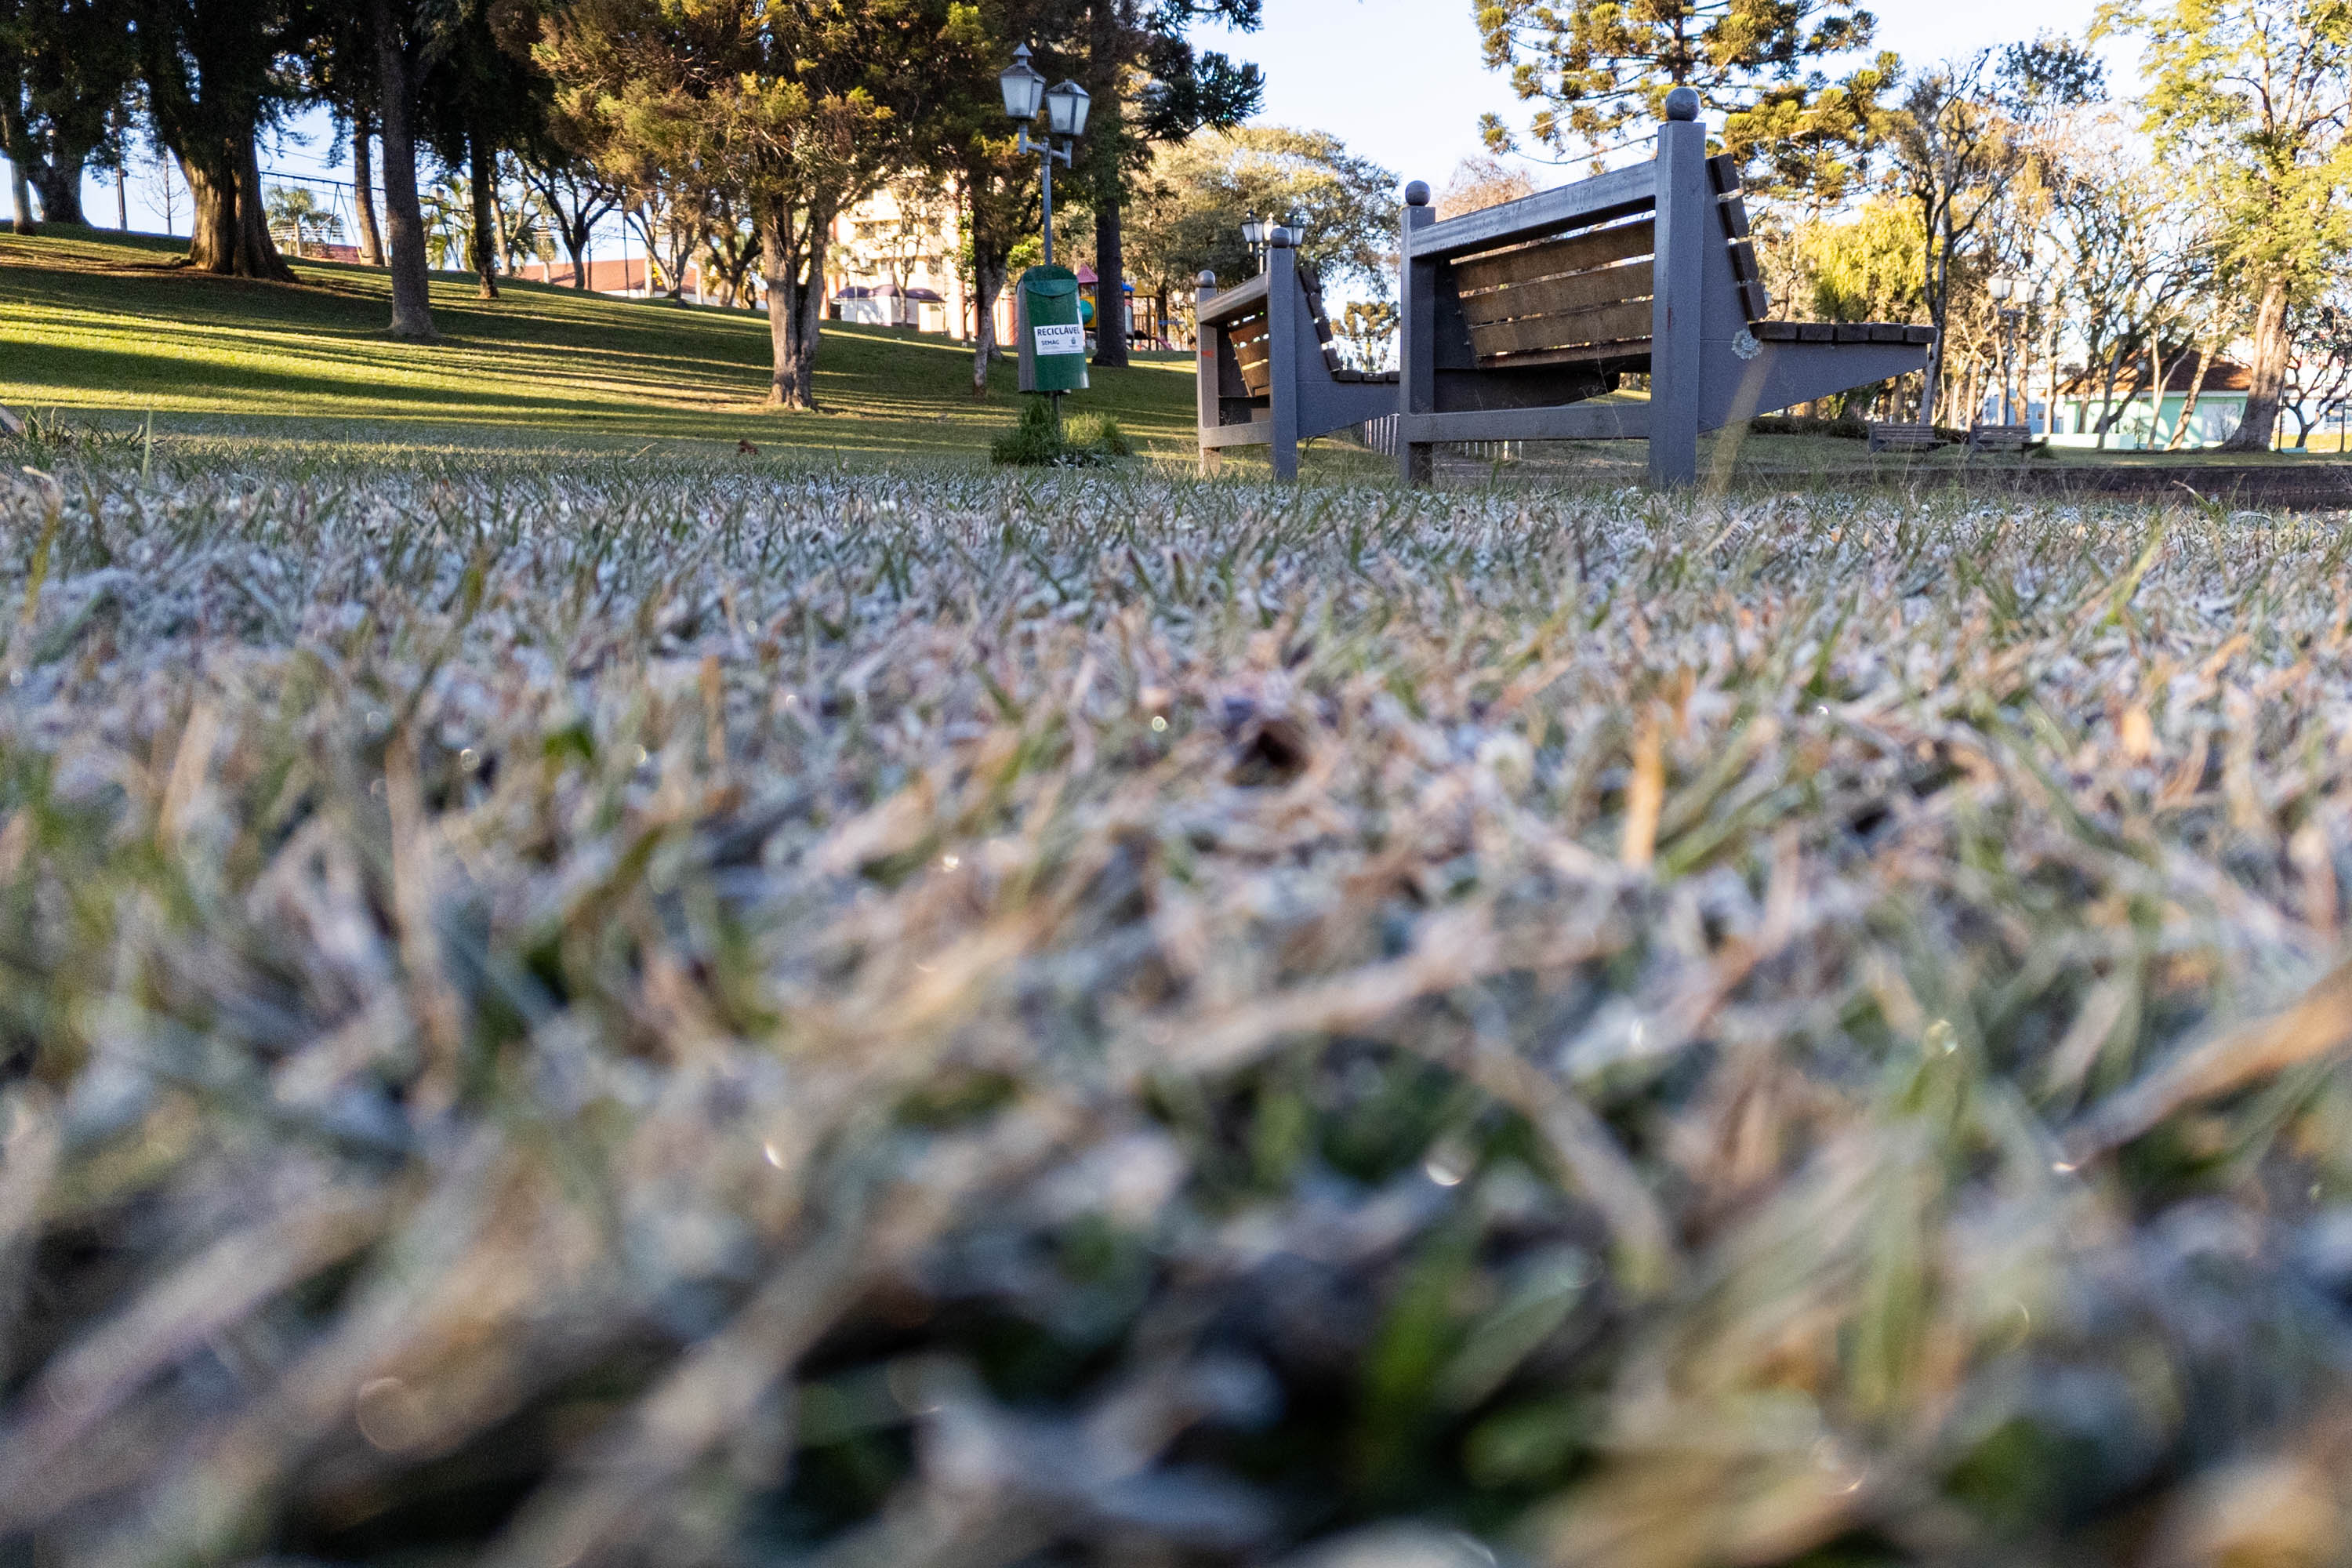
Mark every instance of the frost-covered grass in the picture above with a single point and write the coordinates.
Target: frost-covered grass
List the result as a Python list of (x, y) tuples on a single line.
[(701, 1019)]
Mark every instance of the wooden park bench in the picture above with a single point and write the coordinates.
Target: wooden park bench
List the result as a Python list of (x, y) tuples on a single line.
[(1269, 372), (1998, 438), (1516, 316), (1905, 438)]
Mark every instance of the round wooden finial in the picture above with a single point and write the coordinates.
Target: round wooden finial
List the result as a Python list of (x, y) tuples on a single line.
[(1416, 194), (1682, 104)]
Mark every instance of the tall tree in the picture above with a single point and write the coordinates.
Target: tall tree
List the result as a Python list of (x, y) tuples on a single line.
[(574, 197), (1600, 71), (2133, 270), (795, 107), (342, 77), (2249, 101), (216, 72), (1151, 85), (958, 132), (1951, 150), (66, 68), (1188, 217), (481, 96), (363, 185), (1960, 145), (400, 41)]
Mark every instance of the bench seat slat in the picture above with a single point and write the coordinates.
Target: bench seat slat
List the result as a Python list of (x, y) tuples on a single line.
[(1614, 324), (1555, 258), (1840, 333), (1556, 296), (1632, 354)]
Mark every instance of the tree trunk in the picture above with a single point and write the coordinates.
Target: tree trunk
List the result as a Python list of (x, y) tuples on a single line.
[(412, 297), (575, 244), (15, 140), (481, 160), (795, 305), (58, 181), (2189, 403), (988, 279), (812, 309), (1106, 50), (22, 189), (364, 187), (2267, 373), (230, 233), (1931, 384)]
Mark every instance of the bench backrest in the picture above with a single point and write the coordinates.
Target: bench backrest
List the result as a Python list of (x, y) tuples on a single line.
[(1251, 347), (1582, 296)]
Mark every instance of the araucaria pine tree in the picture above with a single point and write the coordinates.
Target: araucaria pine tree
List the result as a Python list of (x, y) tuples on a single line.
[(1598, 72)]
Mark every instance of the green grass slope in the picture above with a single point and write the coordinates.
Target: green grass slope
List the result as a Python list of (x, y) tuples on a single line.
[(93, 322)]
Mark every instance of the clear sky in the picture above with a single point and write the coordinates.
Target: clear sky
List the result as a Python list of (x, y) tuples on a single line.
[(1399, 80)]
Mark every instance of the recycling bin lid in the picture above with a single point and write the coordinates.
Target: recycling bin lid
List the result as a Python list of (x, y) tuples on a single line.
[(1050, 282)]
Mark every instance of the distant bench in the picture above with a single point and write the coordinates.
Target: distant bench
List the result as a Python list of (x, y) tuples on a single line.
[(1515, 317), (1270, 373), (1999, 438), (1905, 438)]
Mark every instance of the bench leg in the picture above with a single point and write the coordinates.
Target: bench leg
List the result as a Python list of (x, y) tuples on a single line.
[(1285, 461), (1213, 462), (1416, 463)]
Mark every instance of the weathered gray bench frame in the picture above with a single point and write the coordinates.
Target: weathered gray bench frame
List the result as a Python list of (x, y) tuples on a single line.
[(1894, 437), (1269, 372), (1513, 318), (1998, 438)]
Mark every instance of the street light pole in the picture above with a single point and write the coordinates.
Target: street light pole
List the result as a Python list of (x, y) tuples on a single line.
[(2004, 290), (1064, 108), (1048, 155)]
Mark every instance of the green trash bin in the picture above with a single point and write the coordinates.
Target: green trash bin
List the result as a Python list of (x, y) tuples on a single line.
[(1053, 338)]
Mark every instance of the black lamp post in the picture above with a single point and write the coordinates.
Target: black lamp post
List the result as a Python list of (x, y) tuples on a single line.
[(1262, 234), (2011, 305), (1064, 108)]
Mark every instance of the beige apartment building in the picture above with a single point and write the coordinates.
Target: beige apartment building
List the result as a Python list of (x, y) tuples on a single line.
[(893, 262)]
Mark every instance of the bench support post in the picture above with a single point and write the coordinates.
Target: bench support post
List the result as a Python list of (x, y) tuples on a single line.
[(1210, 346), (1677, 353), (1283, 301), (1416, 339)]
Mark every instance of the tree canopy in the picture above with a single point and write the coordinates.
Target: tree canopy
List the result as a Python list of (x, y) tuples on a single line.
[(1600, 71), (1188, 219), (2250, 103)]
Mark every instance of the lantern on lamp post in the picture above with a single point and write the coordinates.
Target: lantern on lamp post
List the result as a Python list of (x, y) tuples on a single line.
[(1064, 108), (1052, 324)]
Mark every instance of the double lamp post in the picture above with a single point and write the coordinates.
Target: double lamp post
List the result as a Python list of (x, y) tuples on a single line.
[(2012, 301), (1064, 108)]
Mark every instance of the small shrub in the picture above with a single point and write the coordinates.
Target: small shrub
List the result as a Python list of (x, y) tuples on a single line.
[(47, 436), (1845, 428), (1101, 433), (1087, 442)]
